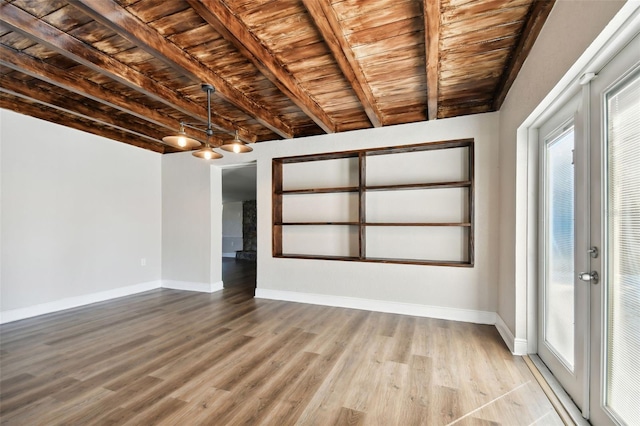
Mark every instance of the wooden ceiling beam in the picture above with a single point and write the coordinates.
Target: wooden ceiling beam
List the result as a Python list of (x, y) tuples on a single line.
[(535, 21), (233, 30), (118, 19), (26, 64), (327, 24), (43, 112), (30, 92), (432, 45), (41, 32)]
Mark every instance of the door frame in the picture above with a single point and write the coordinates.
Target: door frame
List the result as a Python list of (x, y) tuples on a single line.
[(611, 40)]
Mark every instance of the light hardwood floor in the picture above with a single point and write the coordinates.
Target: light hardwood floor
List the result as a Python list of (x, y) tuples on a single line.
[(181, 358)]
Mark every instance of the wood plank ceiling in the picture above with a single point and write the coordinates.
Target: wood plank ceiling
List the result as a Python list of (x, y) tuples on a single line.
[(131, 70)]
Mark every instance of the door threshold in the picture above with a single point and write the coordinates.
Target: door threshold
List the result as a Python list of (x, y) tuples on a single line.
[(561, 401)]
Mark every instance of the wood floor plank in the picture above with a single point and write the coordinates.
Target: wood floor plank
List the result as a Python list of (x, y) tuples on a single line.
[(98, 409), (35, 394), (402, 344), (56, 411), (150, 358), (390, 323), (367, 375), (155, 413), (262, 376), (421, 342), (389, 393), (254, 409), (186, 374), (14, 385), (30, 414), (299, 394), (417, 404), (349, 417), (173, 357), (203, 410), (327, 403), (230, 374)]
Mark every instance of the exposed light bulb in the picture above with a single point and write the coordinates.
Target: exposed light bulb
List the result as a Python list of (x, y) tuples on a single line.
[(208, 155), (182, 141), (236, 148)]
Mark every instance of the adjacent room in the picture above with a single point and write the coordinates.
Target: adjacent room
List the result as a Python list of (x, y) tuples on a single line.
[(320, 212)]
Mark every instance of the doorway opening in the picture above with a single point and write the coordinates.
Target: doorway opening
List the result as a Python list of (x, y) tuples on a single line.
[(239, 226)]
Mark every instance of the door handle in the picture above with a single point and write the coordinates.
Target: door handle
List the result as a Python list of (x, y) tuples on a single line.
[(589, 276)]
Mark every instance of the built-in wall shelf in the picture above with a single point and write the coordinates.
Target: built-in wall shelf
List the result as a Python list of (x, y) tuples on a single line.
[(409, 204)]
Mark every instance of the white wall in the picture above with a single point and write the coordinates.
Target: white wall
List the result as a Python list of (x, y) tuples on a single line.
[(79, 213), (231, 228), (450, 287), (570, 28), (191, 221)]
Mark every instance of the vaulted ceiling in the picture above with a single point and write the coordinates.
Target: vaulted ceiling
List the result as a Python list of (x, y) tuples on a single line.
[(131, 70)]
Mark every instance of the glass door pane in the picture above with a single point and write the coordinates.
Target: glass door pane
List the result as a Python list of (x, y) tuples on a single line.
[(559, 247), (622, 282)]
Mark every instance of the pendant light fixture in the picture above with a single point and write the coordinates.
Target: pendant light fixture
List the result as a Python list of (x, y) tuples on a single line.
[(183, 141), (236, 145), (206, 153)]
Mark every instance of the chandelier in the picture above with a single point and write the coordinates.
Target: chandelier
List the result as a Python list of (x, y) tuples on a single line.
[(183, 141)]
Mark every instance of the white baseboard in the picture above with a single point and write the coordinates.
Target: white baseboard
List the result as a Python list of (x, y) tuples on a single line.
[(520, 347), (87, 299), (193, 286), (74, 302), (231, 254), (505, 333), (516, 346), (454, 314)]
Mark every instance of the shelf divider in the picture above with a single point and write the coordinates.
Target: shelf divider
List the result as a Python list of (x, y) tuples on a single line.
[(276, 183), (316, 223), (463, 224), (362, 205), (434, 185), (319, 190)]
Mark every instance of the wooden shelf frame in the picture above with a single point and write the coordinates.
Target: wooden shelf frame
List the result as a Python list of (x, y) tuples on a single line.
[(362, 189)]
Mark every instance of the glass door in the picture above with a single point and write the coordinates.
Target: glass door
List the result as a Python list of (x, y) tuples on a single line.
[(615, 230), (589, 242), (561, 339)]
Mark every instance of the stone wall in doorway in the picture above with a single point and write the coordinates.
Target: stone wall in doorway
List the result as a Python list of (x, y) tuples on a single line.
[(249, 231)]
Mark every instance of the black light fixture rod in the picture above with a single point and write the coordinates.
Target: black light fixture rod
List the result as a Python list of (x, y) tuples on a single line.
[(209, 89)]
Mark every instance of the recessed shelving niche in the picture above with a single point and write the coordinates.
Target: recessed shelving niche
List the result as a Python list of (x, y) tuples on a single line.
[(406, 204)]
